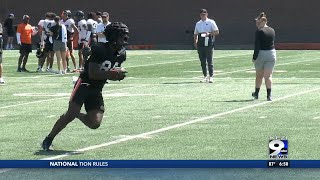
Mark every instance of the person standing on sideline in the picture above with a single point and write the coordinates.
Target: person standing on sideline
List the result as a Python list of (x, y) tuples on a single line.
[(82, 42), (102, 26), (8, 24), (1, 50), (24, 32), (71, 28), (264, 56), (204, 36), (59, 35)]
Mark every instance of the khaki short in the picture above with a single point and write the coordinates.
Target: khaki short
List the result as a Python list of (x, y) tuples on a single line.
[(266, 60), (59, 45)]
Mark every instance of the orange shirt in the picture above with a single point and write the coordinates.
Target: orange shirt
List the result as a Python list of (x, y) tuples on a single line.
[(25, 31)]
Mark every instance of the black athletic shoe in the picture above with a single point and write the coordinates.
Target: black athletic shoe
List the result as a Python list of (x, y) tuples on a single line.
[(269, 98), (24, 70), (46, 143), (18, 69), (255, 95)]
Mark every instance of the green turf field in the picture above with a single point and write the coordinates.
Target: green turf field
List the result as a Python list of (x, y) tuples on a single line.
[(162, 111)]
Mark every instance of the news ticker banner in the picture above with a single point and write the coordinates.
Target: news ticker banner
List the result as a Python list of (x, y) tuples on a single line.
[(159, 163)]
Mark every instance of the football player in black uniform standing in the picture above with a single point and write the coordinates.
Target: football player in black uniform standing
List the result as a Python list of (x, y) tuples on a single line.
[(104, 64)]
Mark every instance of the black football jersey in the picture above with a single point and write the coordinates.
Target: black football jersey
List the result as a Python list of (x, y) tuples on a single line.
[(103, 55)]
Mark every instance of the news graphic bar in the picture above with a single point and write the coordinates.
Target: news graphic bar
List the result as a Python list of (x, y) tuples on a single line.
[(159, 163)]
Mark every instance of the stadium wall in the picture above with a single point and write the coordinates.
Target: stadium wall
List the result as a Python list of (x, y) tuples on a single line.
[(170, 24)]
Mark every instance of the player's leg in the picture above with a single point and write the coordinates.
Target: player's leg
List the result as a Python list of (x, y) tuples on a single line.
[(21, 57), (63, 51), (210, 63), (203, 61), (80, 47), (269, 65), (58, 54), (94, 106), (42, 60), (259, 67), (61, 123), (27, 50), (70, 47), (268, 69), (50, 60), (78, 96), (92, 119)]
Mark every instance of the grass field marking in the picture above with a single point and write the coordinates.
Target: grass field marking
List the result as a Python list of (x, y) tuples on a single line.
[(191, 59), (240, 70), (45, 100), (154, 64), (176, 126)]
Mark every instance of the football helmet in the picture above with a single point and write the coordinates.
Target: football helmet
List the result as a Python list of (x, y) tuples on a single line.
[(79, 15), (67, 12), (117, 33)]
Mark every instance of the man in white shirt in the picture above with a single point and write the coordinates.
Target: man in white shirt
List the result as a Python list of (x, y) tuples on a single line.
[(204, 37), (71, 28), (91, 28), (82, 41), (102, 26), (46, 43)]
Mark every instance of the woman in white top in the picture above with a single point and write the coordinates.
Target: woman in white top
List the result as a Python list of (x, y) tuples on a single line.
[(59, 34)]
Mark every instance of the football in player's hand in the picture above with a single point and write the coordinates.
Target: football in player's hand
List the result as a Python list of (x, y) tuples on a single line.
[(117, 74)]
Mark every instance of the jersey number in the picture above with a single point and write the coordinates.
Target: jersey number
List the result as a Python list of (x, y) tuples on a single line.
[(107, 65)]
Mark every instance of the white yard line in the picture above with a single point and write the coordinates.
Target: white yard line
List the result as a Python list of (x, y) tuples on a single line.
[(172, 62), (132, 137), (282, 64), (191, 59), (45, 100)]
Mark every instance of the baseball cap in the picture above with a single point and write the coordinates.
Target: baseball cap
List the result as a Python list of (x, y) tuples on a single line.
[(262, 16), (26, 17), (203, 11)]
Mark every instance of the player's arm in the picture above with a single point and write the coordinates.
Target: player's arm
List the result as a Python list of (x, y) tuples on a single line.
[(18, 35), (215, 30), (75, 28), (89, 31), (96, 73), (256, 46), (43, 33), (214, 33), (100, 30)]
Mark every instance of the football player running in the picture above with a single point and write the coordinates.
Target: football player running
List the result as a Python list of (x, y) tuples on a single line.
[(103, 64)]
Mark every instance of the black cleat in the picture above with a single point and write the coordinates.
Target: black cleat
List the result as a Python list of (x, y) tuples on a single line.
[(46, 143), (19, 69), (269, 98), (255, 95), (24, 70)]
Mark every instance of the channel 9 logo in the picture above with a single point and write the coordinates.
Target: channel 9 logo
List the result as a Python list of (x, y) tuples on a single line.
[(278, 147)]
